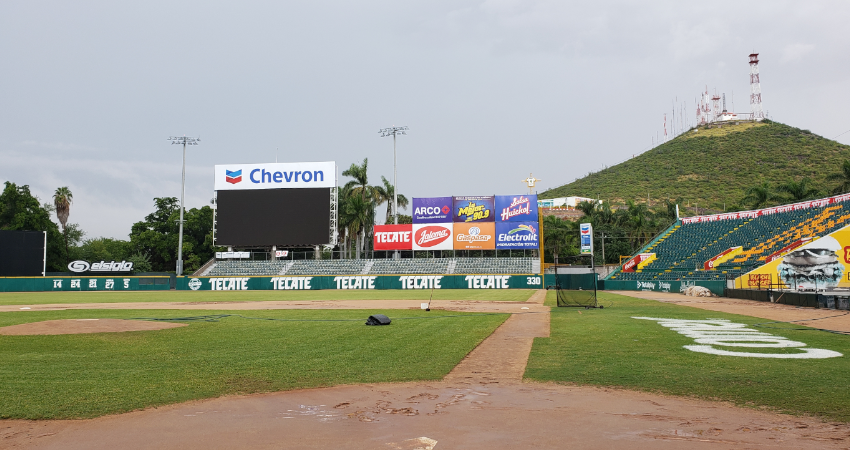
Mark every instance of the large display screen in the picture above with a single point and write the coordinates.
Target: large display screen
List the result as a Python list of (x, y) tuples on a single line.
[(23, 253), (265, 217)]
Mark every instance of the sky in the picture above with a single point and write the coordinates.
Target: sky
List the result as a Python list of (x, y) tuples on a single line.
[(491, 90)]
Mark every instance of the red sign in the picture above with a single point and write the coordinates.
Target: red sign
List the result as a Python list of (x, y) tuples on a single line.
[(393, 237), (432, 237)]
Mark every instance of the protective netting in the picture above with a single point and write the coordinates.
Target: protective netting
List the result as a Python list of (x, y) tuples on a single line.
[(576, 290)]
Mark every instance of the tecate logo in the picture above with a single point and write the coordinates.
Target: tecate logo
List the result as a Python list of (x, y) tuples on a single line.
[(431, 236), (233, 177), (194, 284)]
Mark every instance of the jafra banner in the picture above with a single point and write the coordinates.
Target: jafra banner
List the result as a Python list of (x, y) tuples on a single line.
[(823, 263), (475, 236), (437, 236), (275, 176), (432, 210), (517, 235), (516, 208), (474, 209)]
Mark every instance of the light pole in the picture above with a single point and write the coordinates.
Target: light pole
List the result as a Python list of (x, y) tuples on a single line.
[(185, 141), (394, 131)]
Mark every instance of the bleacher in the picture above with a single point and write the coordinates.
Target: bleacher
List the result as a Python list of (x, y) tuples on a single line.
[(682, 251), (374, 267)]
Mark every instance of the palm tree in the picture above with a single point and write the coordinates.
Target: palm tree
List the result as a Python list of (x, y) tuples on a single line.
[(556, 234), (384, 194), (842, 177), (797, 191), (759, 196), (360, 183), (357, 212), (62, 200)]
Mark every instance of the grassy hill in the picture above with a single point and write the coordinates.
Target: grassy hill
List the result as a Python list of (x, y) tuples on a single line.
[(712, 166)]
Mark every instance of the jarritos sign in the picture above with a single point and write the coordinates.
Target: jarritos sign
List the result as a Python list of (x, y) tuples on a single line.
[(393, 237), (475, 236), (437, 236), (768, 211)]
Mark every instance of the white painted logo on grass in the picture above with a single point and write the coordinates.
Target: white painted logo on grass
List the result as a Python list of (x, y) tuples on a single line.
[(724, 333)]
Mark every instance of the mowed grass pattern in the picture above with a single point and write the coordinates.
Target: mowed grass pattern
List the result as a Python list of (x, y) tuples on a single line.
[(89, 375), (41, 298), (608, 348)]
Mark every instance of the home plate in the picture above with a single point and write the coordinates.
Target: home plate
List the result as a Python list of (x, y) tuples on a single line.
[(420, 443)]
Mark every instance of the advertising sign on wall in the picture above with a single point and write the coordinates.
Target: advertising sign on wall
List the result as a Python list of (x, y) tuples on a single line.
[(437, 236), (474, 209), (516, 208), (393, 237), (275, 176), (586, 238), (432, 210), (517, 235), (475, 236)]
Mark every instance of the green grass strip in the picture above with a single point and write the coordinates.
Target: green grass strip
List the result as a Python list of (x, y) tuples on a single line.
[(608, 348), (89, 375), (39, 298)]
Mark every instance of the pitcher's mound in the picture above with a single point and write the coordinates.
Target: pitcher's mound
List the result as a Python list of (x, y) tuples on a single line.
[(77, 326)]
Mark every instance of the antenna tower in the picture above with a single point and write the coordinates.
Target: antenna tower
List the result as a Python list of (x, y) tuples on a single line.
[(715, 108), (755, 88)]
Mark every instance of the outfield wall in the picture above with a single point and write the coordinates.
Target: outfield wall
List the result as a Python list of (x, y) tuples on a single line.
[(716, 287), (104, 283), (352, 282)]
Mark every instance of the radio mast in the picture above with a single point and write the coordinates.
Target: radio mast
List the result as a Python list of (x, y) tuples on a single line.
[(755, 88)]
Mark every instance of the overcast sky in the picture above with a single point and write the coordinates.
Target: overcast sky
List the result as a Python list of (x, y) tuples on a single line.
[(491, 90)]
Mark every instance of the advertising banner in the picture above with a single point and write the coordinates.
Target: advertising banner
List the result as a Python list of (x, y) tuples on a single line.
[(232, 177), (635, 263), (475, 236), (822, 264), (437, 236), (432, 210), (393, 237), (517, 235), (474, 209), (360, 282), (586, 238), (768, 211), (516, 208)]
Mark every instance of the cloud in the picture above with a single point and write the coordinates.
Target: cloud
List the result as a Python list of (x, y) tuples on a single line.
[(795, 52)]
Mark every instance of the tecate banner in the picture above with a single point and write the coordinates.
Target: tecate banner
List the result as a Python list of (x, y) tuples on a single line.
[(475, 236), (393, 237), (516, 208), (517, 235), (275, 176), (586, 238), (432, 210), (474, 209), (437, 236)]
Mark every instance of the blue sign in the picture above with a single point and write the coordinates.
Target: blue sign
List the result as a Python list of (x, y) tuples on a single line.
[(474, 209), (517, 235), (516, 208), (432, 210)]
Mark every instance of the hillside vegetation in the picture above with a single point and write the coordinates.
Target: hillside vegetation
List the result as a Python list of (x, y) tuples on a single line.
[(714, 167)]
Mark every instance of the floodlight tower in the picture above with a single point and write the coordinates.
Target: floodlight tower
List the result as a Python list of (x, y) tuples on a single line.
[(185, 141), (394, 131), (755, 88)]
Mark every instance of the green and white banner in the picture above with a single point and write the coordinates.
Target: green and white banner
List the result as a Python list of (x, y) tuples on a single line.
[(361, 282)]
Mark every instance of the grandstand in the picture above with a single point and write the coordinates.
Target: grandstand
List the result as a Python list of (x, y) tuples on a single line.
[(418, 266), (682, 250)]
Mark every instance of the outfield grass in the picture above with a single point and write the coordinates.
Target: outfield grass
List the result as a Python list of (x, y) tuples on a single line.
[(608, 348), (38, 298), (89, 375)]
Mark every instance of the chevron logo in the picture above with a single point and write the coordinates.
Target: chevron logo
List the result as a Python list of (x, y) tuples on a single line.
[(233, 177)]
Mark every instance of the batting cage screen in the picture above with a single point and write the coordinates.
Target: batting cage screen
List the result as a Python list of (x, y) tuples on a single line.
[(578, 290)]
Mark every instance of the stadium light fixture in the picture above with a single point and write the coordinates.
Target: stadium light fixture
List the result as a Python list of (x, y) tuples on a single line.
[(394, 131), (185, 141)]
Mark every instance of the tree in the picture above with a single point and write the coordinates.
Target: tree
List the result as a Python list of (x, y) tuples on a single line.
[(62, 200), (357, 212), (759, 196), (359, 187), (557, 235), (384, 194), (22, 211), (842, 178), (797, 191)]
